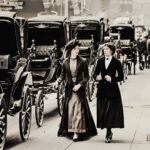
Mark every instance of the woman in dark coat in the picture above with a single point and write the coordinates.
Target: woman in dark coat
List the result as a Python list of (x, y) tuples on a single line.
[(76, 118), (107, 73)]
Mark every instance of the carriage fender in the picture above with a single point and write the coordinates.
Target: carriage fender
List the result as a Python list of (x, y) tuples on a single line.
[(3, 96), (29, 79), (19, 73)]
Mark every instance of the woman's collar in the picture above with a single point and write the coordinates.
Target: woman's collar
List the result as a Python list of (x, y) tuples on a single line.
[(109, 58)]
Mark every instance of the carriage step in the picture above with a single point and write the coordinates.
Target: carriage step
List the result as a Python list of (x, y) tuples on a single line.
[(17, 103)]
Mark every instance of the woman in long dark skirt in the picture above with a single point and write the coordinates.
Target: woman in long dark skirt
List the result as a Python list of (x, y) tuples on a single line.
[(76, 118), (107, 73)]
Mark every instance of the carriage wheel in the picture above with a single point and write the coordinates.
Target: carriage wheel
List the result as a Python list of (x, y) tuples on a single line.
[(3, 124), (39, 108), (129, 68), (92, 87), (91, 81), (92, 59), (25, 115), (60, 97), (125, 70), (134, 67)]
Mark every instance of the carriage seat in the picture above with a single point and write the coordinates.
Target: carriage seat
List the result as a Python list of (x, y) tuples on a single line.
[(85, 43), (42, 57), (127, 50), (40, 63), (84, 51), (42, 51), (39, 75)]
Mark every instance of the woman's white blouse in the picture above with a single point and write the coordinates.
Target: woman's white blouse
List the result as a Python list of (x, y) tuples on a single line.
[(107, 61)]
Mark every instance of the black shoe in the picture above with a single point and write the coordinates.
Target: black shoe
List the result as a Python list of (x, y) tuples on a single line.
[(108, 138)]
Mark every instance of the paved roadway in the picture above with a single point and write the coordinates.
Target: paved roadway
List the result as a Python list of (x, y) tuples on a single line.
[(136, 101)]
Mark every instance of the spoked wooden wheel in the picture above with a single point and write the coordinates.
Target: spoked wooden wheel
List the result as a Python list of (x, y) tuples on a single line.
[(60, 97), (25, 115), (129, 65), (91, 83), (134, 68), (39, 108), (3, 124), (91, 88), (125, 70)]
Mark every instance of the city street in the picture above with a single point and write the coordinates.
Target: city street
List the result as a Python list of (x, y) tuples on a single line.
[(135, 135), (37, 36)]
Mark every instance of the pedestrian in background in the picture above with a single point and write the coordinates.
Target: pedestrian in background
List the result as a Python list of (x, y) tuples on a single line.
[(148, 51), (109, 103), (76, 118)]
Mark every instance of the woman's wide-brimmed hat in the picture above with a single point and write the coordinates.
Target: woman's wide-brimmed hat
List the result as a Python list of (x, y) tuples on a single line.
[(72, 44), (111, 46)]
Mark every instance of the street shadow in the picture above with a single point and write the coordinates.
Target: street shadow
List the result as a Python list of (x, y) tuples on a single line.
[(113, 141), (49, 115), (120, 141), (12, 142)]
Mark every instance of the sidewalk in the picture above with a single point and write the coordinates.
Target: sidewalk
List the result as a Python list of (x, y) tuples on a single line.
[(136, 101)]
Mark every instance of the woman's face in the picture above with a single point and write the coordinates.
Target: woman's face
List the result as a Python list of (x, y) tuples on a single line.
[(75, 51), (107, 51)]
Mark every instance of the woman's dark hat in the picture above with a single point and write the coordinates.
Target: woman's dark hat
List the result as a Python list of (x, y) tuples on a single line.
[(111, 46), (72, 44)]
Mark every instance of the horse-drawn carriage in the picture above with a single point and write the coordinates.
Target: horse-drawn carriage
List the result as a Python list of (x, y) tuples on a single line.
[(90, 31), (46, 40), (124, 38), (14, 80)]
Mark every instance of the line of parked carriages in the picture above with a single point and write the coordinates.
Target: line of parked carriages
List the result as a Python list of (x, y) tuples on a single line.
[(31, 55)]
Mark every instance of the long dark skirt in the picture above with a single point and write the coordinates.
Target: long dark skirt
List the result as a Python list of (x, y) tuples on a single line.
[(110, 113), (89, 122)]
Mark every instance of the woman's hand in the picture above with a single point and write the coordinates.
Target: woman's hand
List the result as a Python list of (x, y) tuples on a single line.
[(108, 78), (99, 77), (76, 87)]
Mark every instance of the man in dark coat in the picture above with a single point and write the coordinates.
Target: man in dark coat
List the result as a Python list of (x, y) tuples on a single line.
[(109, 104), (82, 77), (144, 50), (148, 51)]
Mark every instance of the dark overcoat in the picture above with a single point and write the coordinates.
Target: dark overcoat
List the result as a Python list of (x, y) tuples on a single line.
[(109, 102), (82, 78)]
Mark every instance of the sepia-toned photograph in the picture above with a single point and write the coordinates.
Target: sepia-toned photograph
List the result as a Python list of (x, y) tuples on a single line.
[(74, 74)]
